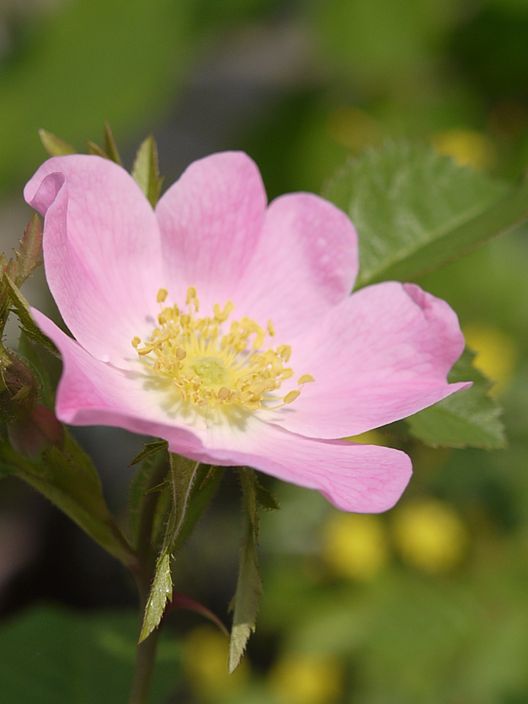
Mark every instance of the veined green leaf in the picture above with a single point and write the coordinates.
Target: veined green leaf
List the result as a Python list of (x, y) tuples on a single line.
[(146, 170), (469, 418), (415, 210), (55, 146), (249, 586), (66, 476)]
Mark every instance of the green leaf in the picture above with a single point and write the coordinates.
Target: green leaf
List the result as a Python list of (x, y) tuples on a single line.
[(204, 488), (249, 586), (110, 150), (415, 210), (110, 144), (160, 594), (67, 477), (146, 170), (150, 450), (182, 476), (29, 254), (55, 146), (21, 308), (148, 479), (50, 655), (469, 418), (96, 150)]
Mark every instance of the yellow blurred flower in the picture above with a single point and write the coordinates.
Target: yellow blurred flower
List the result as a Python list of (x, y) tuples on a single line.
[(466, 147), (307, 679), (205, 654), (429, 535), (355, 546), (497, 353)]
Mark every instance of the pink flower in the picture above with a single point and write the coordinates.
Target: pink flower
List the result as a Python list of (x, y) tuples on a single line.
[(227, 327)]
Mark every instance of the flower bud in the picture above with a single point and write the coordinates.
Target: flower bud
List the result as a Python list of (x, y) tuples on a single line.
[(20, 393)]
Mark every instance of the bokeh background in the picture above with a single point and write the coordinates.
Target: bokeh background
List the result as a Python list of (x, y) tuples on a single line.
[(426, 604)]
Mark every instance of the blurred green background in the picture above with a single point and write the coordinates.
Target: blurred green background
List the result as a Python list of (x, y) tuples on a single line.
[(426, 604)]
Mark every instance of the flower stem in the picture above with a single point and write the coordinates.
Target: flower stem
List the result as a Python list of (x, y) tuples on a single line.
[(145, 659)]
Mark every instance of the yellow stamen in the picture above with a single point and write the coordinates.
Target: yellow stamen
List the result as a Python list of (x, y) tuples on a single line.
[(291, 396), (210, 364)]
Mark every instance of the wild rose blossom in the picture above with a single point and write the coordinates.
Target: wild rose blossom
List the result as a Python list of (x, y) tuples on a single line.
[(227, 328)]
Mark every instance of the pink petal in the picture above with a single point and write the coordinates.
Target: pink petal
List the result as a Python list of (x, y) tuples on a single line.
[(306, 262), (360, 478), (91, 392), (353, 477), (381, 355), (102, 251), (210, 221)]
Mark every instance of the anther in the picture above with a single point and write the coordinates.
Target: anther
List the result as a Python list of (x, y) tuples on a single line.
[(305, 379), (223, 394), (135, 341), (291, 396), (162, 295)]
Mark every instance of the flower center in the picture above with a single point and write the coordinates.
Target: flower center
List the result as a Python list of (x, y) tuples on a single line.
[(208, 364)]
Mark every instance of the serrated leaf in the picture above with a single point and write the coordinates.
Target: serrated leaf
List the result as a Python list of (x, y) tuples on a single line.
[(249, 586), (469, 418), (415, 210), (160, 594), (182, 476), (146, 170), (55, 146), (21, 308), (66, 476), (29, 253)]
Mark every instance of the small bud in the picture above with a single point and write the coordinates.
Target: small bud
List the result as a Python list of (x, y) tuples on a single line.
[(20, 393)]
